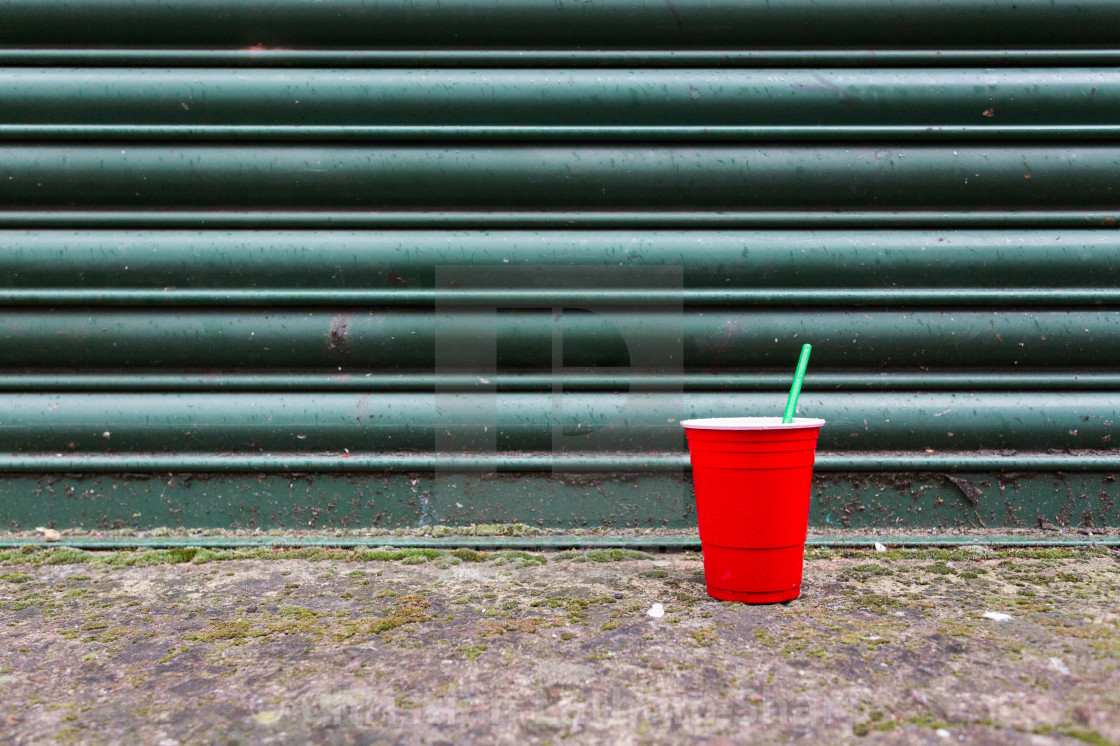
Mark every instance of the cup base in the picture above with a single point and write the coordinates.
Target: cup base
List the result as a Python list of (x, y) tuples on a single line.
[(747, 597), (753, 575)]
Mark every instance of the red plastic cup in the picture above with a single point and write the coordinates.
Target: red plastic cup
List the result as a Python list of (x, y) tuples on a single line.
[(752, 477)]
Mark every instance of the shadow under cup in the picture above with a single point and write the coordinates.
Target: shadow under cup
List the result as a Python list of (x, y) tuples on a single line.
[(752, 477)]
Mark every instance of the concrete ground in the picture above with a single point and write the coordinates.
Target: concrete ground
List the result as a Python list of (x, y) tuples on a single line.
[(185, 646)]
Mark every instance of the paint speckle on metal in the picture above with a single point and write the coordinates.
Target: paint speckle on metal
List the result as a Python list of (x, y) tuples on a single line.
[(340, 335)]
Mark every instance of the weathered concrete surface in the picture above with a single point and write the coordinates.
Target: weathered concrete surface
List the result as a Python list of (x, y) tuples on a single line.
[(512, 647)]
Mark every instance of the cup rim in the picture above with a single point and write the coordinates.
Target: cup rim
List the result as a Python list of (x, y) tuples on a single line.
[(751, 423)]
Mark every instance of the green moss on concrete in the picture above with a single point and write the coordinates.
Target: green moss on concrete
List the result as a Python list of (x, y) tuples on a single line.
[(412, 609), (408, 556), (601, 555), (472, 651), (863, 572), (616, 555), (468, 555), (517, 559), (1078, 734), (16, 577)]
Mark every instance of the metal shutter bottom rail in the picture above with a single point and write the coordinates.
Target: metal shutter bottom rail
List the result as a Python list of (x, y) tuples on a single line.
[(321, 500)]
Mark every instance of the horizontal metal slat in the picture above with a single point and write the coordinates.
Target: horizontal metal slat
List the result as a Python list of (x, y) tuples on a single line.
[(570, 297), (155, 466), (503, 268), (531, 24), (562, 58), (544, 104), (709, 178), (553, 219), (472, 340), (471, 133), (867, 380), (513, 423)]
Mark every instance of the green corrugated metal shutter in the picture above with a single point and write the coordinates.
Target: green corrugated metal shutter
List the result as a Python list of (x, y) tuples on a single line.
[(386, 263)]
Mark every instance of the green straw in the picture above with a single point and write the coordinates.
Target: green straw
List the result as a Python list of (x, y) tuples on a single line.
[(795, 389)]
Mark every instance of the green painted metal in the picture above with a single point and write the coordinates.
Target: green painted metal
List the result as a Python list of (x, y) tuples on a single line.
[(497, 177), (938, 500), (450, 382), (205, 133), (550, 542), (638, 104), (565, 297), (546, 24), (1017, 219), (400, 266), (760, 381), (558, 58), (360, 462), (609, 339), (492, 423), (400, 263)]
